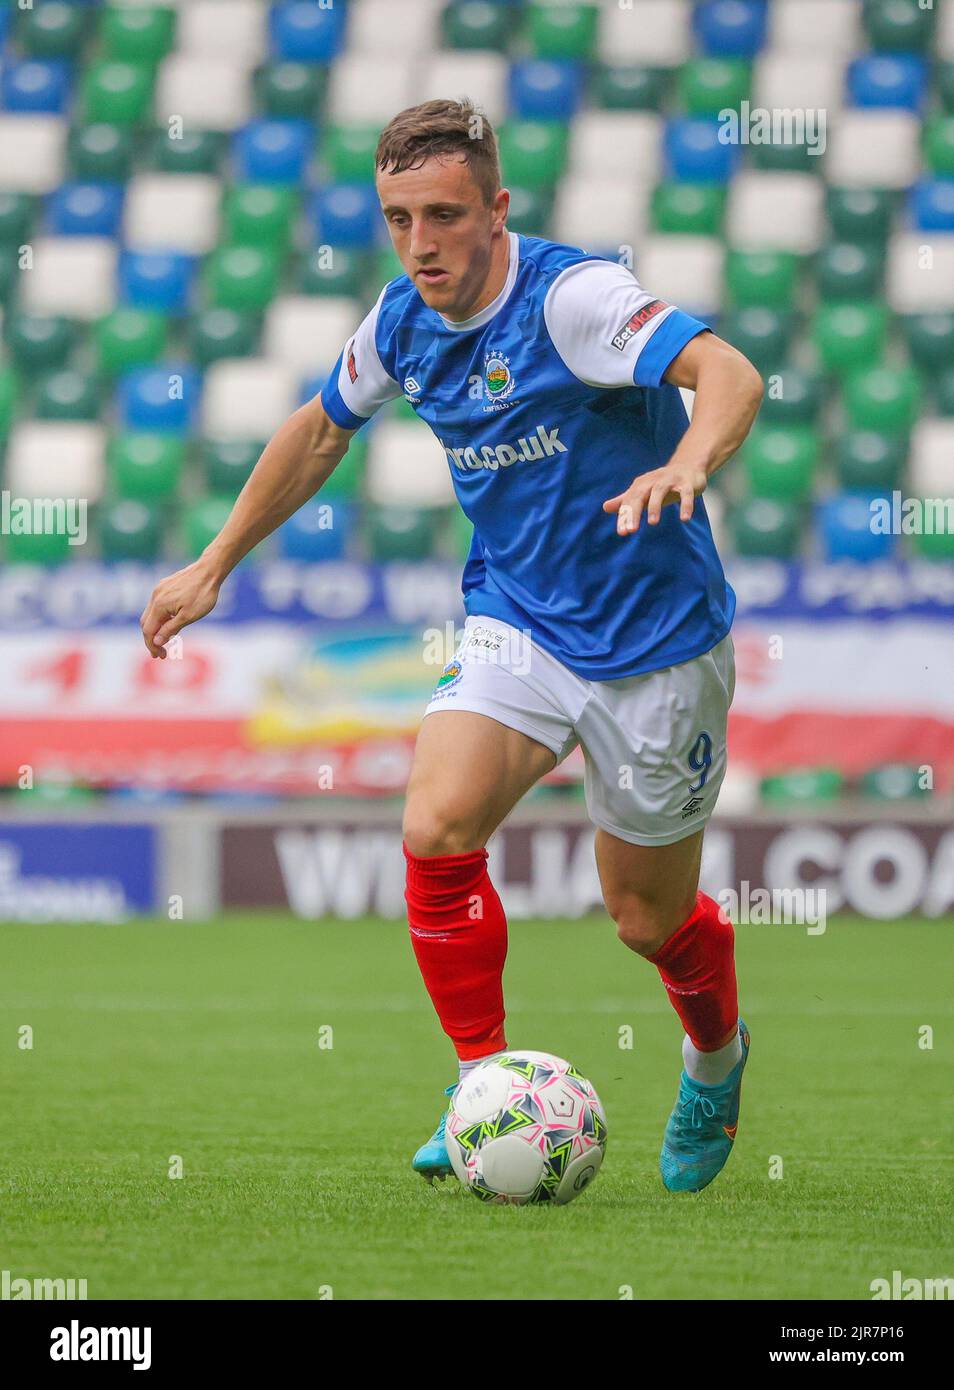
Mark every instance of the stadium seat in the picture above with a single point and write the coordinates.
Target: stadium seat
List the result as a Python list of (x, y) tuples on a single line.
[(533, 153), (707, 86), (810, 784), (100, 152), (37, 342), (846, 531), (888, 80), (562, 30), (545, 89), (54, 458), (219, 332), (130, 530), (407, 467), (631, 87), (66, 395), (683, 270), (349, 150), (232, 29), (479, 24), (144, 33), (902, 26), (848, 270), (85, 209), (128, 337), (871, 461), (400, 532), (780, 463), (930, 339), (259, 215), (807, 26), (874, 149), (529, 213), (893, 782), (175, 151), (597, 137), (35, 86), (202, 522), (172, 213), (695, 151), (227, 464), (362, 89), (783, 81), (290, 91), (32, 153), (938, 145), (599, 213), (693, 208), (347, 214), (9, 387), (766, 528), (120, 93), (655, 32), (860, 215), (52, 31), (146, 467), (320, 530), (155, 280), (247, 398), (273, 151), (73, 275), (776, 212), (306, 332), (242, 277), (929, 470), (932, 205), (486, 73), (883, 398), (944, 393), (334, 270), (399, 32), (159, 398), (16, 218), (792, 397), (921, 277), (303, 32), (762, 279), (734, 28), (346, 481), (204, 92)]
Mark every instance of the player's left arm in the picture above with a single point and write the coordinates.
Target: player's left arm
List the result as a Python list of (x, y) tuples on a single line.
[(729, 392)]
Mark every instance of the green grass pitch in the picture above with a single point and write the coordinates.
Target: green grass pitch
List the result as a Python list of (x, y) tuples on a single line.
[(202, 1040)]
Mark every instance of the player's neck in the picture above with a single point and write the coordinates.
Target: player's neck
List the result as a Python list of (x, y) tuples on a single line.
[(494, 283)]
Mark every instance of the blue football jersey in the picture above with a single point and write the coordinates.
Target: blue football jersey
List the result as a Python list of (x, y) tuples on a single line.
[(547, 403)]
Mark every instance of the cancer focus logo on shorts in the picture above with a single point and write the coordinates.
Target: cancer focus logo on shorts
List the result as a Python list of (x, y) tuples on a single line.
[(450, 676), (499, 380)]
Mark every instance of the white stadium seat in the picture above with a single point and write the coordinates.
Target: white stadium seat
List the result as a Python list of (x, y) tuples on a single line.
[(172, 212), (407, 467), (932, 449), (232, 29), (655, 32), (32, 153), (247, 398), (481, 76), (805, 81), (74, 276), (816, 26), (395, 31), (945, 33), (600, 213), (363, 89), (614, 142), (874, 149), (52, 458), (921, 272), (685, 270), (205, 93), (307, 332), (770, 211)]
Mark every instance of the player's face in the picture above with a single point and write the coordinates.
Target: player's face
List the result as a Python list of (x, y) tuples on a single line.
[(444, 232)]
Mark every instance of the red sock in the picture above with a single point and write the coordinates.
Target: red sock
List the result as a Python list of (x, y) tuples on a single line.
[(459, 935), (697, 965)]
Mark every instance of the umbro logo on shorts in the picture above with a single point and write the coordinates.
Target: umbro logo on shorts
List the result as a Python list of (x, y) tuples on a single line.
[(691, 807)]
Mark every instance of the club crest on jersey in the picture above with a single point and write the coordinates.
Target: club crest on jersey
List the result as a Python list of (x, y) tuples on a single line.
[(498, 378)]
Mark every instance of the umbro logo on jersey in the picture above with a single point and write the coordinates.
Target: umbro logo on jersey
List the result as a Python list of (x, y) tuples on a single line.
[(412, 390), (543, 444), (637, 322)]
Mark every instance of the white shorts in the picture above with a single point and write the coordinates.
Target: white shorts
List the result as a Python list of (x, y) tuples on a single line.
[(653, 745)]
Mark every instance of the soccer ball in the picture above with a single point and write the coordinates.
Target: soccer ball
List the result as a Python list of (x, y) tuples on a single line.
[(526, 1127)]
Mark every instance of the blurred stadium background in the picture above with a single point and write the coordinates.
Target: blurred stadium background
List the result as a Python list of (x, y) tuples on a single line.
[(189, 234)]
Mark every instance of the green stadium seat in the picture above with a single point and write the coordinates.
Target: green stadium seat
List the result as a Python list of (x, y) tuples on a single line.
[(8, 399), (898, 26), (533, 153), (203, 521), (242, 277), (631, 87), (764, 279), (39, 342), (192, 152), (937, 545), (848, 270), (9, 273), (944, 393), (931, 340), (129, 337), (227, 464), (860, 215), (471, 24), (130, 530), (400, 533), (289, 91), (218, 332), (16, 217), (345, 482), (39, 548), (339, 271), (893, 782), (808, 784), (349, 152), (51, 31), (883, 398), (387, 267), (146, 467), (869, 461), (780, 463), (529, 211), (101, 153), (792, 397), (67, 394), (563, 30), (944, 84), (707, 86), (764, 335), (696, 209), (142, 34), (257, 214), (939, 146), (784, 157), (119, 93), (848, 336), (767, 528)]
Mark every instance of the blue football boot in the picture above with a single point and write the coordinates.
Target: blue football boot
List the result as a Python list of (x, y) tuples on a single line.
[(702, 1128), (432, 1159)]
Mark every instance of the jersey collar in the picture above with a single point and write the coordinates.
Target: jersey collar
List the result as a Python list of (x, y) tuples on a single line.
[(485, 315)]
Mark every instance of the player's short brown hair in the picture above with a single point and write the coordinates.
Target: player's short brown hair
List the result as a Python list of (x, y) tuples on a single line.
[(442, 128)]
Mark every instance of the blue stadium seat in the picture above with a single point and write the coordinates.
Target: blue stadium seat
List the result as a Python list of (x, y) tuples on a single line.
[(932, 205), (156, 280), (844, 526), (888, 79), (311, 386), (303, 33), (31, 85), (695, 153), (347, 214), (308, 535), (273, 151), (731, 28), (545, 90), (85, 209), (147, 402)]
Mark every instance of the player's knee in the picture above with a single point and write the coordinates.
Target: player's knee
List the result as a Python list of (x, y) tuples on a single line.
[(645, 924), (429, 830)]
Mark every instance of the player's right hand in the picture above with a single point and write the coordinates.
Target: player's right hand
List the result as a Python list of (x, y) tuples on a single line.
[(182, 598)]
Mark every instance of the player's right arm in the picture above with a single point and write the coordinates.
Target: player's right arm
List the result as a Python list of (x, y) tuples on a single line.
[(297, 461)]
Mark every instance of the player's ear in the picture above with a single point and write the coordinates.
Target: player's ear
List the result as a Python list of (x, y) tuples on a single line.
[(500, 208)]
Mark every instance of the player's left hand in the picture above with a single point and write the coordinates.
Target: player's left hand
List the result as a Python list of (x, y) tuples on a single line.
[(650, 492)]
